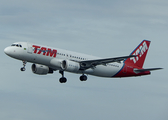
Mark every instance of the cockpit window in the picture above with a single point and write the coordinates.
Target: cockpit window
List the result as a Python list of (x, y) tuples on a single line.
[(13, 45), (17, 45)]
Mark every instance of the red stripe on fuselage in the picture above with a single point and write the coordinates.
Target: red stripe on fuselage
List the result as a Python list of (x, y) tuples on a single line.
[(128, 71)]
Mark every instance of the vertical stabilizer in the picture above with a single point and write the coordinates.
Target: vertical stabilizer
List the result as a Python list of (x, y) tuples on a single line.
[(141, 52)]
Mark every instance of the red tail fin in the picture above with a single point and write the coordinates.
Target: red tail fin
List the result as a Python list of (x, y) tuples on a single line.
[(141, 52)]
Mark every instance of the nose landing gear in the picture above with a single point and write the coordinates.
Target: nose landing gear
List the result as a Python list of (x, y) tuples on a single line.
[(24, 64)]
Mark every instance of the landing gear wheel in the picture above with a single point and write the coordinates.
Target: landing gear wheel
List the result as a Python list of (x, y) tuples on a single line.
[(24, 64), (22, 69), (63, 80), (83, 78)]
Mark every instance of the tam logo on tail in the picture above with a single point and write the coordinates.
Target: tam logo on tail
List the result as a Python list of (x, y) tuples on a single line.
[(140, 52)]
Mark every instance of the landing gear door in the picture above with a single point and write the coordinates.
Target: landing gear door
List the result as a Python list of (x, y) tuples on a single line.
[(29, 48)]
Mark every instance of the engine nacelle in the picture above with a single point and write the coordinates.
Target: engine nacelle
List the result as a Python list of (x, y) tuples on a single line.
[(70, 66), (41, 69)]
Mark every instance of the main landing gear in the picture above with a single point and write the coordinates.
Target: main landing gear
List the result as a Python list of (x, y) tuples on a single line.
[(24, 64), (62, 79), (83, 77)]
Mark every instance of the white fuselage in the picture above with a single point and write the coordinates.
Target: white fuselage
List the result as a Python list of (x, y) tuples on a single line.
[(26, 52)]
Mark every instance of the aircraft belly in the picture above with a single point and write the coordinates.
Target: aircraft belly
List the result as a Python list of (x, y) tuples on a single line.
[(38, 59), (106, 71)]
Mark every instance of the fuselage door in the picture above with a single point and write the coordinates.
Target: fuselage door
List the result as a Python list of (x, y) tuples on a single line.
[(31, 57), (29, 48)]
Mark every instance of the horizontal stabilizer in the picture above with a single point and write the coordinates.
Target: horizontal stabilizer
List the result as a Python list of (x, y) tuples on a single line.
[(143, 70)]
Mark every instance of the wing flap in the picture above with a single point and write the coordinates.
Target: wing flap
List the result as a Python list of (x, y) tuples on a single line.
[(108, 60), (92, 63)]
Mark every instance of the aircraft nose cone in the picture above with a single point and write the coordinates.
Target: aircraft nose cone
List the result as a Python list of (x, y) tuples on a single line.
[(7, 51)]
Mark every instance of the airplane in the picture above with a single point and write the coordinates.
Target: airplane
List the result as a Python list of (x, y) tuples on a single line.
[(46, 60)]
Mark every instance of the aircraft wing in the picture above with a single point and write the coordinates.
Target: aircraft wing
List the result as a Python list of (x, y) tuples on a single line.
[(92, 63)]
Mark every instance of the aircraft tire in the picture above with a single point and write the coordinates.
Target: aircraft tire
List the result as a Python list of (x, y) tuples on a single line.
[(63, 80), (22, 69), (83, 78)]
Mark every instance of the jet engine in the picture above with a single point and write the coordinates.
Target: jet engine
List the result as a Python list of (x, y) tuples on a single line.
[(66, 65), (41, 69), (70, 66)]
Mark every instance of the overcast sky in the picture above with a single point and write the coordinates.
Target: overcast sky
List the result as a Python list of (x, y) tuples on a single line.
[(104, 28)]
